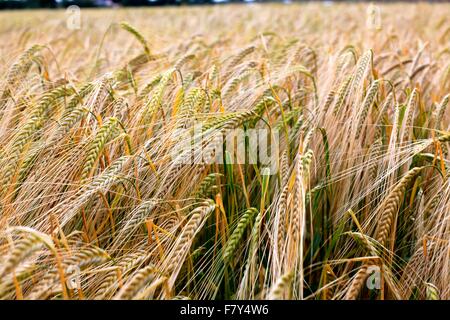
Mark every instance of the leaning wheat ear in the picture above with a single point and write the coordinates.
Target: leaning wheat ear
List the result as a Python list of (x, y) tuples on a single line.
[(141, 278), (237, 234), (440, 110), (184, 241), (239, 57), (18, 72), (280, 289), (367, 104), (137, 35), (109, 284), (362, 68), (87, 257), (108, 129), (21, 250), (36, 121), (391, 204), (31, 241), (357, 283), (389, 208), (154, 103), (78, 98), (410, 110), (342, 94)]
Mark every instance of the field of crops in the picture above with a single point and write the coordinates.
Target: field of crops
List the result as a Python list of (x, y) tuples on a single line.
[(119, 179)]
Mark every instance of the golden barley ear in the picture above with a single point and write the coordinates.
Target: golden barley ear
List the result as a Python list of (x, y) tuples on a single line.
[(367, 104), (280, 290), (392, 203), (126, 264)]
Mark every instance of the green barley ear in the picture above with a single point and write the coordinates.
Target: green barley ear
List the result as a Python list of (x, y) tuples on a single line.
[(238, 233), (214, 73), (137, 35), (207, 185), (255, 238), (391, 205), (215, 122), (307, 159), (95, 148), (229, 121), (49, 98), (432, 291), (192, 103)]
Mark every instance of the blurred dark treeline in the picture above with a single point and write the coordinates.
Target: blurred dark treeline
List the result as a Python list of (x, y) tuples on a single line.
[(23, 4)]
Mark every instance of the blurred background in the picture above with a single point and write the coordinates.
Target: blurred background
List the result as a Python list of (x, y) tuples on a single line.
[(25, 4)]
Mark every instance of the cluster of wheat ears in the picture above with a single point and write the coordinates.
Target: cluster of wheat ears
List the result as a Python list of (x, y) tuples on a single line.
[(94, 205)]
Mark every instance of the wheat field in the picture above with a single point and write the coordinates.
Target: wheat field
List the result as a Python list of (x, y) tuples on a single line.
[(98, 200)]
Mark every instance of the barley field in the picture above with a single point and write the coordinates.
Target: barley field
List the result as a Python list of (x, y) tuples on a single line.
[(117, 182)]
